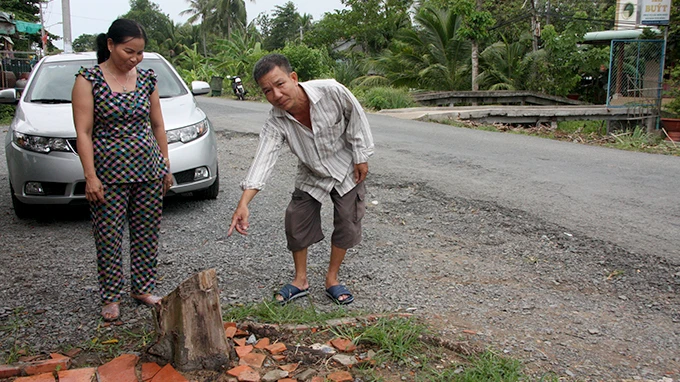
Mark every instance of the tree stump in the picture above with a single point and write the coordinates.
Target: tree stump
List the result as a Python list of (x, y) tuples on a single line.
[(189, 326)]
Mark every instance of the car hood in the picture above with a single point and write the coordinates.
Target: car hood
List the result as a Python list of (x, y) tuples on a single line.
[(56, 120)]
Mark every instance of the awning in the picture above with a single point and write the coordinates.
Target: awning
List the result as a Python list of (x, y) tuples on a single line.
[(26, 27), (605, 37)]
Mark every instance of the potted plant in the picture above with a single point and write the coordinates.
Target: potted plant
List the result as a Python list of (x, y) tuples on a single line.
[(671, 123)]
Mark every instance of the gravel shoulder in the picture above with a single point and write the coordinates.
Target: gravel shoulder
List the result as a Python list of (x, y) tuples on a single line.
[(561, 302)]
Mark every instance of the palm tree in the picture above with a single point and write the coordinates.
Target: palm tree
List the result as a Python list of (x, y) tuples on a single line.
[(202, 11), (432, 56), (503, 65), (231, 15)]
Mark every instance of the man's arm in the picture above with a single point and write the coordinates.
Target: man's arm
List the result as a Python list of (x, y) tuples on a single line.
[(240, 218), (358, 131)]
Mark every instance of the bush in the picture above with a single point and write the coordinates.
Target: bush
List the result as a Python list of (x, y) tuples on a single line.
[(6, 114), (385, 98), (308, 63)]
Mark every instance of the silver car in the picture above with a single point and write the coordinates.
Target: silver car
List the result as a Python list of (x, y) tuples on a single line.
[(40, 146)]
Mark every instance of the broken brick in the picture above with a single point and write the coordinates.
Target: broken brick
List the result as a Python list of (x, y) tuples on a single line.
[(262, 344), (230, 331), (243, 350), (229, 325), (149, 370), (278, 357), (168, 374), (7, 371), (238, 370), (240, 341), (77, 375), (276, 348), (343, 345), (120, 369), (45, 377), (291, 367), (252, 359), (340, 376), (56, 363), (287, 380)]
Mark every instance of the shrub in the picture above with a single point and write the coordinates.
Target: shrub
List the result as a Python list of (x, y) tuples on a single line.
[(379, 98), (6, 114)]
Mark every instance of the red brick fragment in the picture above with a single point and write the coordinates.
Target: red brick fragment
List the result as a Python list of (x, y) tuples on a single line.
[(249, 376), (149, 370), (276, 348), (252, 359), (77, 375), (287, 380), (120, 369), (278, 357), (240, 341), (56, 363), (229, 325), (318, 379), (343, 344), (7, 371), (262, 343), (238, 370), (340, 376), (230, 331), (291, 367), (45, 377), (168, 374), (243, 350), (240, 333)]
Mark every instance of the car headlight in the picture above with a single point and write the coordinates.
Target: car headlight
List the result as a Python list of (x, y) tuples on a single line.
[(189, 133), (40, 144)]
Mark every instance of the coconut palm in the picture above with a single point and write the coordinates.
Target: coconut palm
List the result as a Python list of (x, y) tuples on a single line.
[(502, 65), (231, 15), (431, 56), (200, 11)]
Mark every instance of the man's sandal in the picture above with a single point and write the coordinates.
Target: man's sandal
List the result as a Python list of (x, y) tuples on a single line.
[(111, 311), (337, 291), (290, 292)]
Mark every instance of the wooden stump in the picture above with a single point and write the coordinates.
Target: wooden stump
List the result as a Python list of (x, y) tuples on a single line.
[(189, 326)]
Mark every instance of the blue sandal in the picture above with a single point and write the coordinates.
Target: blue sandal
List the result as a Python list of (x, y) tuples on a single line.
[(290, 292), (336, 291)]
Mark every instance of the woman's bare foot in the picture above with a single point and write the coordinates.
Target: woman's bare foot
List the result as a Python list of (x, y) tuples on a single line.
[(111, 311), (147, 299)]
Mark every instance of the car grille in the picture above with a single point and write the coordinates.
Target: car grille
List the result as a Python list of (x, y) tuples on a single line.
[(73, 143), (79, 188), (51, 188), (184, 176)]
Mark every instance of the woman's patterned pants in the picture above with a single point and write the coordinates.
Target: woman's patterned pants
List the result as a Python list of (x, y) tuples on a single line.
[(141, 205)]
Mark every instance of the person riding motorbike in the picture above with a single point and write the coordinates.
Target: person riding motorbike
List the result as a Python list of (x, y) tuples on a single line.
[(237, 87)]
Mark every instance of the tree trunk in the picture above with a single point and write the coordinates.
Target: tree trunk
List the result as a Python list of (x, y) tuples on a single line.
[(475, 65), (189, 326)]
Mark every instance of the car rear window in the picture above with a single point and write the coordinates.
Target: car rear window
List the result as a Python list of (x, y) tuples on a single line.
[(53, 81)]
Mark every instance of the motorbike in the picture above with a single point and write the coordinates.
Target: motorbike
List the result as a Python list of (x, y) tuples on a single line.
[(237, 87)]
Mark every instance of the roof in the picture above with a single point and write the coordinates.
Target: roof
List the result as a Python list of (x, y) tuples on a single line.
[(604, 37)]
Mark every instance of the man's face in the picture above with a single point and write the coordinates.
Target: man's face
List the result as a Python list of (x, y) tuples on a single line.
[(280, 88)]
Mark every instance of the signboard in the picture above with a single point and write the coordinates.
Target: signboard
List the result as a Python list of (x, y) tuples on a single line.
[(654, 12)]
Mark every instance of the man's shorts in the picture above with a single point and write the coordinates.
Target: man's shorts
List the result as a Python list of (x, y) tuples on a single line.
[(303, 219)]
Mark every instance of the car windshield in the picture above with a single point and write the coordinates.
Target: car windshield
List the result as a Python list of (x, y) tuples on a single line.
[(53, 81)]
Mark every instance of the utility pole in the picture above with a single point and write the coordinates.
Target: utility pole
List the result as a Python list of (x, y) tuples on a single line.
[(43, 38), (66, 19), (535, 26)]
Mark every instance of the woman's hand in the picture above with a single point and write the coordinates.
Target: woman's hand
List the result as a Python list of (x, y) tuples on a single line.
[(94, 190), (167, 183)]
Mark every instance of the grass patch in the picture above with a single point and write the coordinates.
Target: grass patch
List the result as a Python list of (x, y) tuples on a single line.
[(587, 132), (6, 114)]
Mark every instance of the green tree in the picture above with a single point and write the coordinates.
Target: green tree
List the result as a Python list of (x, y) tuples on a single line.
[(285, 27), (201, 11), (85, 43), (308, 63), (29, 11), (502, 64), (157, 24), (431, 56)]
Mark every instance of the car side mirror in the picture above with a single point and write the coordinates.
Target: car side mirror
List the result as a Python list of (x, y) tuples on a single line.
[(9, 96), (200, 87)]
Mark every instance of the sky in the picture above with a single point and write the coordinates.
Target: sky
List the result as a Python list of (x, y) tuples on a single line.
[(95, 16)]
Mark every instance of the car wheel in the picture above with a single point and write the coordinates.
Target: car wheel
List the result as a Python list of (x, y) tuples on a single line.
[(22, 210), (210, 192)]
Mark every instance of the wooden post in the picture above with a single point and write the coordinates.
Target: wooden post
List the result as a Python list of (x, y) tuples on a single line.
[(189, 326)]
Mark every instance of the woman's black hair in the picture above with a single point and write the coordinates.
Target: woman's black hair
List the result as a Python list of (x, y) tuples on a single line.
[(120, 31)]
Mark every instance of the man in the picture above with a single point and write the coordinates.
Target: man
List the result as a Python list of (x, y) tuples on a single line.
[(326, 128)]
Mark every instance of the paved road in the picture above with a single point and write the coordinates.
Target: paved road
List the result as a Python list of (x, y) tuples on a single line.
[(626, 198)]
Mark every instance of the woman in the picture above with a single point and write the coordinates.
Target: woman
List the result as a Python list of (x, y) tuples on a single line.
[(124, 152)]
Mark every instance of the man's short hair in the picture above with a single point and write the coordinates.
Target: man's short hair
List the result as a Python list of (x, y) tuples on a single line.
[(267, 63)]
